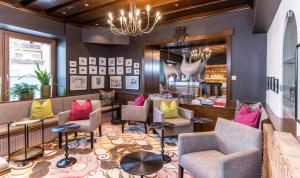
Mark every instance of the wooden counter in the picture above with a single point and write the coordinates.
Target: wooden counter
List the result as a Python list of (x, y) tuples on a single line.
[(209, 112)]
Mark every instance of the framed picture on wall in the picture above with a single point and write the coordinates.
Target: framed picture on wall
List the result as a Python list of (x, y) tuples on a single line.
[(102, 70), (111, 70), (120, 70), (136, 65), (83, 70), (73, 71), (272, 83), (97, 82), (93, 70), (72, 63), (128, 70), (102, 61), (111, 61), (128, 62), (276, 85), (82, 61), (78, 83), (136, 72), (120, 61), (132, 82), (92, 61), (115, 82)]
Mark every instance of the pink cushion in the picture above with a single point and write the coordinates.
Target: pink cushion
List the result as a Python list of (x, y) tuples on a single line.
[(139, 101), (244, 109), (80, 112), (251, 119)]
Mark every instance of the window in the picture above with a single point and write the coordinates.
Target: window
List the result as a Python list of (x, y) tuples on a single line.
[(21, 55)]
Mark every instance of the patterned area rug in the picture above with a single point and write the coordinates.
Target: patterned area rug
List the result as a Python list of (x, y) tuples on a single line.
[(104, 160)]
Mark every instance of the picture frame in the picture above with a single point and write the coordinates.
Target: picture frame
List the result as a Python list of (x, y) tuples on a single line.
[(272, 83), (120, 61), (111, 61), (128, 70), (97, 82), (72, 63), (136, 65), (82, 61), (115, 82), (136, 71), (83, 70), (93, 70), (276, 85), (92, 61), (78, 82), (111, 70), (128, 62), (267, 83), (120, 70), (102, 61), (73, 71), (132, 82), (102, 70)]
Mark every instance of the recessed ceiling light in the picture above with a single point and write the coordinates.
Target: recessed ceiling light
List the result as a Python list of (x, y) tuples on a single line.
[(86, 5), (64, 12), (176, 5), (96, 24)]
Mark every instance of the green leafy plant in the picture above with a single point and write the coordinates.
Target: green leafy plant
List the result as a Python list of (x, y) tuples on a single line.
[(23, 91), (43, 76)]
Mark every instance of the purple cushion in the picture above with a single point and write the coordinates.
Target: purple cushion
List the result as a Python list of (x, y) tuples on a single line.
[(248, 118), (139, 101)]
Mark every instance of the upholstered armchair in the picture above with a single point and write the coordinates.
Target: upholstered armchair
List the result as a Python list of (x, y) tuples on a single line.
[(231, 151), (87, 126), (182, 124), (131, 112)]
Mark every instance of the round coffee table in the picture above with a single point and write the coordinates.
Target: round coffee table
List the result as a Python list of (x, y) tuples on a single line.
[(67, 161), (141, 163), (162, 126)]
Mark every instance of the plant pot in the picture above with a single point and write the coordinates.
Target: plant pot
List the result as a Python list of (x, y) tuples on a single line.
[(45, 91), (26, 96)]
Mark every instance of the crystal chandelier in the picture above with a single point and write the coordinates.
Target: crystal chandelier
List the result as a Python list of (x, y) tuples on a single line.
[(132, 24), (202, 54)]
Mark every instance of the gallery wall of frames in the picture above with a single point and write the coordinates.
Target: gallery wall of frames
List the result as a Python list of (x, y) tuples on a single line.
[(272, 84), (94, 73)]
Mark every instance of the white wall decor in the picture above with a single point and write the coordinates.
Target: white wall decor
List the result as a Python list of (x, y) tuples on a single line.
[(111, 61), (102, 70), (73, 71), (128, 70), (136, 71), (97, 82), (120, 61), (92, 61), (132, 82), (82, 61), (120, 70), (72, 63), (128, 62), (116, 82), (83, 70), (93, 70), (78, 83), (136, 65), (102, 61), (111, 70)]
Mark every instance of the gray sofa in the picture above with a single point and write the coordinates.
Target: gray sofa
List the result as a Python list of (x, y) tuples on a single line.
[(231, 151)]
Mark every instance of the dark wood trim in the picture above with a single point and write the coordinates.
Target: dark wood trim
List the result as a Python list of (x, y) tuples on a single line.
[(298, 45), (228, 64), (48, 11), (2, 69), (26, 3)]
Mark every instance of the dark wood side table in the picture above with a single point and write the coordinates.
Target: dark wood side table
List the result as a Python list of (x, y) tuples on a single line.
[(116, 106), (201, 121), (141, 163)]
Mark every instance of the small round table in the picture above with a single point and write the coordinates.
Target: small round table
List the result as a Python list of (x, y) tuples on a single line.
[(162, 126), (67, 161), (201, 121), (141, 163)]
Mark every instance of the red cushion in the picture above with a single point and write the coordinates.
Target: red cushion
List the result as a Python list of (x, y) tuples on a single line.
[(139, 101), (251, 119), (80, 112)]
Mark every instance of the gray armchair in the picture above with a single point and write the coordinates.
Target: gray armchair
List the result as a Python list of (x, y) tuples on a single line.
[(182, 124), (131, 112), (231, 151), (89, 125)]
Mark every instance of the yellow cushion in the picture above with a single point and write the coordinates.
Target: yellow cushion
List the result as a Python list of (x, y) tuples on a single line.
[(41, 111), (169, 111)]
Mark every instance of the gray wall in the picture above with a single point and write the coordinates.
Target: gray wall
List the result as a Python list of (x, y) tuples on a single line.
[(248, 50)]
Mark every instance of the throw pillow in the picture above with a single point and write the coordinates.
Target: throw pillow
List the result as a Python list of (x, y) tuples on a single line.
[(107, 97), (81, 112), (41, 111), (251, 119), (139, 101), (169, 111)]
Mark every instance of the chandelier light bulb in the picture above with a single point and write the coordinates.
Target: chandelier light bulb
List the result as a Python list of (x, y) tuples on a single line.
[(148, 8), (122, 12), (137, 12), (157, 13), (110, 16)]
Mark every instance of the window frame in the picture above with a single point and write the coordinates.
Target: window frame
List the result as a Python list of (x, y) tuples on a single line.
[(4, 59)]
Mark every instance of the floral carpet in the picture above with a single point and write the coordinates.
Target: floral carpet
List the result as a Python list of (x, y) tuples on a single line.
[(103, 160)]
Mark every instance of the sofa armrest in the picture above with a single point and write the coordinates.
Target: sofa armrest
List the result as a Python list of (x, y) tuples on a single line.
[(131, 103), (246, 163), (185, 113), (63, 117), (158, 116), (95, 119), (194, 142)]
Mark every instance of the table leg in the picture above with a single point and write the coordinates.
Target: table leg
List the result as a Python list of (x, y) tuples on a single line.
[(43, 141), (165, 158), (8, 140), (60, 140), (67, 161)]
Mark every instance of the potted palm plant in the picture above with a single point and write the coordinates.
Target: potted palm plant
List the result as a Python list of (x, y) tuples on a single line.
[(23, 91), (44, 78)]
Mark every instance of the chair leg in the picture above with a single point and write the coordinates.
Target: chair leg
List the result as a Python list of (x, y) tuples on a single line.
[(145, 125), (60, 140), (92, 140), (180, 171), (75, 134), (100, 131), (123, 122)]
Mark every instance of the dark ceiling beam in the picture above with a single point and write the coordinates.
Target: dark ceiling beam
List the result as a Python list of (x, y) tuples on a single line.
[(27, 2), (55, 8)]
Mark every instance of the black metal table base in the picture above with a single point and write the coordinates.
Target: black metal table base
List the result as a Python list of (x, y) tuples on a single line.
[(166, 159), (66, 162)]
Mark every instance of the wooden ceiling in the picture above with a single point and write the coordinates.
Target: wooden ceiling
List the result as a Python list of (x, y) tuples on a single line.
[(94, 12)]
